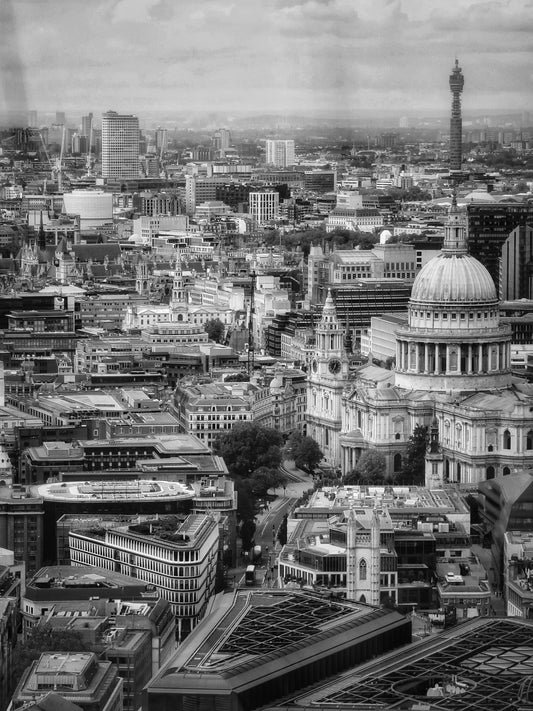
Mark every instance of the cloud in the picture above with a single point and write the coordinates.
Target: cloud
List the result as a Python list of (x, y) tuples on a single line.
[(275, 53)]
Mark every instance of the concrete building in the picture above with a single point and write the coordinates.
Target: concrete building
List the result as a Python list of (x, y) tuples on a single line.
[(263, 206), (137, 636), (59, 586), (120, 146), (279, 152), (178, 558), (516, 277), (207, 411), (94, 207), (78, 677)]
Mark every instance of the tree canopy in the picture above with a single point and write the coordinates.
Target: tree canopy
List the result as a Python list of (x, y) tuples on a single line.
[(414, 463), (215, 330), (304, 450), (370, 469), (248, 447)]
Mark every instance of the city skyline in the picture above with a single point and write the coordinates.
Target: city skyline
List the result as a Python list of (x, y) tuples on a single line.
[(332, 56)]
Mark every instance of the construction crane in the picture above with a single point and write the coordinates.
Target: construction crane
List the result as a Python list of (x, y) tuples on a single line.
[(56, 166), (57, 170), (89, 163)]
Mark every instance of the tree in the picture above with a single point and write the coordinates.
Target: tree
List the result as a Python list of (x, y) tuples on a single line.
[(370, 469), (414, 464), (282, 531), (266, 478), (215, 330), (304, 450), (245, 500), (247, 534), (248, 447), (45, 638)]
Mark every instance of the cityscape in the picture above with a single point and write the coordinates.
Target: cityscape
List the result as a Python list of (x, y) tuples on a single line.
[(266, 356)]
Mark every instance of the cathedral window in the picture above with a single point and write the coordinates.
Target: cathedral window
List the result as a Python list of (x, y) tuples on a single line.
[(507, 440), (397, 462), (506, 471), (529, 440), (362, 570)]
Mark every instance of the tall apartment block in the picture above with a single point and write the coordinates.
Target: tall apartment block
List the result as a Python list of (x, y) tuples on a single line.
[(263, 206), (457, 82), (120, 146), (280, 152)]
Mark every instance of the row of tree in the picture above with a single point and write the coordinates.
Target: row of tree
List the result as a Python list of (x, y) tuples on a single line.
[(253, 455)]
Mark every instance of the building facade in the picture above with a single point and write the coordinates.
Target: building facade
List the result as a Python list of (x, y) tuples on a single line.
[(120, 146), (179, 560)]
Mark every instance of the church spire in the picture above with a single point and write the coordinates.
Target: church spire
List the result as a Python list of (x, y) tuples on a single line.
[(177, 299), (41, 237)]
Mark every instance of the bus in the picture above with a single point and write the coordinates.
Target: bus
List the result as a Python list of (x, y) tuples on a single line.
[(249, 576)]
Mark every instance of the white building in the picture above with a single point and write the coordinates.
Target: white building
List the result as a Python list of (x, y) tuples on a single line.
[(280, 152), (179, 562), (120, 146), (148, 227), (264, 206), (94, 207)]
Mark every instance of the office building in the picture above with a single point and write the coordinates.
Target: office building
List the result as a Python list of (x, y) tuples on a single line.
[(279, 152), (207, 411), (263, 206), (161, 140), (489, 227), (258, 646), (87, 128), (78, 677), (457, 81), (516, 281), (120, 146), (57, 586), (178, 557), (94, 207), (221, 141)]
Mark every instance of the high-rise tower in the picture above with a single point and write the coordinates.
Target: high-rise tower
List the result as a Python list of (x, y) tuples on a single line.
[(120, 146), (457, 82)]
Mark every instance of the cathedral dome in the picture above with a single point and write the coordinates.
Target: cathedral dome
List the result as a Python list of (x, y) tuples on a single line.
[(453, 279)]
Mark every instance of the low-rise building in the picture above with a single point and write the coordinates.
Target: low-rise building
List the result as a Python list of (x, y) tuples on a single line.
[(206, 411), (77, 676)]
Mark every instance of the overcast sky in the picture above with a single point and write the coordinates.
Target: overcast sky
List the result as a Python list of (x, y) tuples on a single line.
[(265, 55)]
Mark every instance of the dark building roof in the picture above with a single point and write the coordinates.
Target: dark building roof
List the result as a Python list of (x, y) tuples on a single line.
[(484, 664), (257, 646)]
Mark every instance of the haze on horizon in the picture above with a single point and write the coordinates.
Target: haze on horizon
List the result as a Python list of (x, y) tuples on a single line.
[(264, 56)]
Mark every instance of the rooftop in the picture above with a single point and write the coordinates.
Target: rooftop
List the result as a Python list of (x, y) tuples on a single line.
[(250, 630), (113, 490), (484, 664)]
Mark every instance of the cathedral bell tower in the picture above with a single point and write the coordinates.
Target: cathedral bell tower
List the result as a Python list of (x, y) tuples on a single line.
[(328, 376)]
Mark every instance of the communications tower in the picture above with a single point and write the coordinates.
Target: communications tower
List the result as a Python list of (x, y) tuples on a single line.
[(457, 82)]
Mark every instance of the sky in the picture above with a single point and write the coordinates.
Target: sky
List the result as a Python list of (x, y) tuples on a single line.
[(264, 56)]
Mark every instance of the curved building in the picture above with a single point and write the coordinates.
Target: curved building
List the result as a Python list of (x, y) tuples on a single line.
[(95, 207), (109, 497)]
